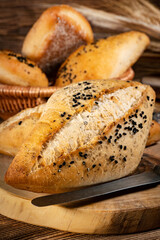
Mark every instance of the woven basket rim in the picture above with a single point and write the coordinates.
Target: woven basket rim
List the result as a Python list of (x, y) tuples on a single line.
[(31, 92), (42, 92)]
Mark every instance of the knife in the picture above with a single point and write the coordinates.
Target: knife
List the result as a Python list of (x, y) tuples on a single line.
[(148, 179)]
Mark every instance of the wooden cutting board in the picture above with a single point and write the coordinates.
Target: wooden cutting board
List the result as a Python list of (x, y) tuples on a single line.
[(132, 212)]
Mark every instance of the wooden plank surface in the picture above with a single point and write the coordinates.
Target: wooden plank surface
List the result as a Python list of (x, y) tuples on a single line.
[(15, 230)]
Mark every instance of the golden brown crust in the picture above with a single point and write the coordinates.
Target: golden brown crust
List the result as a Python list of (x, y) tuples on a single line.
[(154, 133), (57, 33), (20, 71), (27, 171), (14, 131), (106, 58)]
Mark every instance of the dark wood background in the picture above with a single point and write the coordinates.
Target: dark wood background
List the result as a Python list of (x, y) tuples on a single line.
[(16, 18)]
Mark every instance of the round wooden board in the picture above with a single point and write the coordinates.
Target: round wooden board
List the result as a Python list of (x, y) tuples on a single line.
[(132, 212)]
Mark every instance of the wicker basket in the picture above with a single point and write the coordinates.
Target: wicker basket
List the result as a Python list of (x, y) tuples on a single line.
[(14, 98)]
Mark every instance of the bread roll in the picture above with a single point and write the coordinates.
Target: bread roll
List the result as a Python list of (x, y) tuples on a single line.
[(154, 133), (18, 70), (104, 59), (55, 35), (90, 132), (14, 131)]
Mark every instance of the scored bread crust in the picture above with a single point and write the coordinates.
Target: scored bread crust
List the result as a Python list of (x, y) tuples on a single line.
[(104, 59), (32, 171), (15, 130), (20, 71), (56, 34)]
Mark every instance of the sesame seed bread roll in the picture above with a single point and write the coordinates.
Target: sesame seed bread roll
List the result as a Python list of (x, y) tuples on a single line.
[(104, 59), (154, 133), (56, 34), (19, 71), (88, 133), (14, 130)]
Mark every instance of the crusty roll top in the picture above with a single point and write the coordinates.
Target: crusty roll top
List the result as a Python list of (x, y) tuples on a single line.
[(104, 59), (89, 132), (18, 70), (57, 33)]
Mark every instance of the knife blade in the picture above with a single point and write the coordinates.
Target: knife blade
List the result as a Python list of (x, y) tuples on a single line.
[(143, 179)]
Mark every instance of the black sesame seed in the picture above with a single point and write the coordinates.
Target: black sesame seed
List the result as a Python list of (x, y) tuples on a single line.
[(140, 125), (64, 163), (136, 87), (109, 140), (152, 100), (80, 154), (145, 121), (137, 111), (145, 117), (82, 105), (119, 126), (100, 142), (20, 122), (124, 133), (135, 130), (63, 114), (71, 162), (54, 164), (85, 155), (116, 161), (125, 148), (87, 88), (99, 164), (151, 105), (68, 118), (124, 159), (125, 122), (120, 146), (96, 103), (60, 166), (148, 98), (111, 158), (94, 165), (84, 163), (105, 137)]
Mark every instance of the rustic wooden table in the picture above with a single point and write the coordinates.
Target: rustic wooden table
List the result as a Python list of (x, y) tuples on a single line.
[(16, 17), (13, 230)]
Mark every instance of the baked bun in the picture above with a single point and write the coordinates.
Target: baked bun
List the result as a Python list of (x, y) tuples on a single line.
[(90, 132), (14, 131), (55, 35), (18, 70), (154, 133), (104, 59)]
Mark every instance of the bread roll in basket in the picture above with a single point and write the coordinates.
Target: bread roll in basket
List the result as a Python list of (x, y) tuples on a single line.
[(14, 98)]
